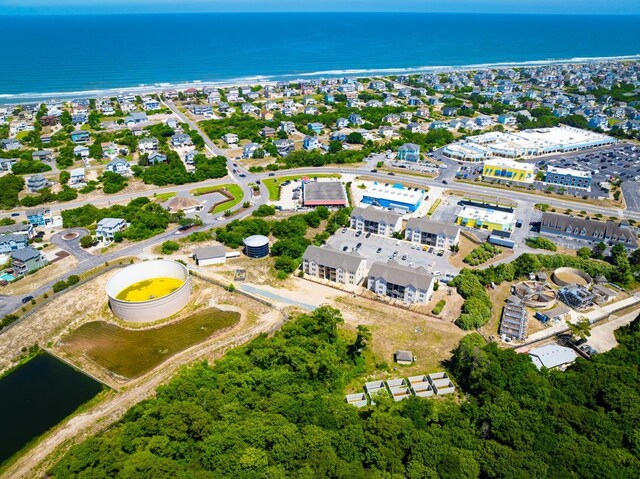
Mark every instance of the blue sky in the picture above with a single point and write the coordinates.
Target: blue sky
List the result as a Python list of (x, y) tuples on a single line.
[(469, 6)]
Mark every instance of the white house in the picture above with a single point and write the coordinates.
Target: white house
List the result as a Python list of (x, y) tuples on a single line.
[(108, 227)]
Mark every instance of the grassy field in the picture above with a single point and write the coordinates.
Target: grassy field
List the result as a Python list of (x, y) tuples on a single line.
[(164, 196), (237, 194), (273, 184), (131, 353)]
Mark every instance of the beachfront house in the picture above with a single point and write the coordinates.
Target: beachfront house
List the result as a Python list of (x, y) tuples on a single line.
[(12, 242)]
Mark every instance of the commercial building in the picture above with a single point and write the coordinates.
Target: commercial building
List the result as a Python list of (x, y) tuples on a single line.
[(333, 265), (552, 356), (432, 233), (377, 221), (510, 170), (412, 285), (209, 255), (465, 151), (536, 142), (27, 260), (394, 197), (482, 218), (588, 230), (568, 177), (108, 227), (323, 193), (256, 246)]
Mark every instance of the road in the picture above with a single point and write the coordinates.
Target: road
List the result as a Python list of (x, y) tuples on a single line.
[(8, 304)]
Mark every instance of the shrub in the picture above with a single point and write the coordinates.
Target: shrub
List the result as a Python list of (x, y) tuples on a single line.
[(60, 286), (540, 242), (73, 279), (169, 247), (439, 307)]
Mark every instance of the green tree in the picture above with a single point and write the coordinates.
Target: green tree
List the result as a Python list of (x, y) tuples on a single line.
[(584, 253)]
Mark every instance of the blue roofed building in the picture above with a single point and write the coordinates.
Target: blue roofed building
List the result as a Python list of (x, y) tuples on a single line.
[(395, 197)]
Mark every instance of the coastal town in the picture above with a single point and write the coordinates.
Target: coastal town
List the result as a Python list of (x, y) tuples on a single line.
[(503, 201)]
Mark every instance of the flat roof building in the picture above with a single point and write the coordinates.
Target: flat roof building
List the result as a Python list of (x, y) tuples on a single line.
[(509, 170), (323, 193), (536, 142), (552, 356), (394, 196), (568, 177), (482, 218)]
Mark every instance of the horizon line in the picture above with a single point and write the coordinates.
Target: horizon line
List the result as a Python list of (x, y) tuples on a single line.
[(267, 12)]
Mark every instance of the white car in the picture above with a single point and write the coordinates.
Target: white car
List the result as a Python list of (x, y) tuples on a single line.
[(437, 273)]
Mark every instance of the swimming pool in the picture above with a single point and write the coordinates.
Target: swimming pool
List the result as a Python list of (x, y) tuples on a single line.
[(7, 277)]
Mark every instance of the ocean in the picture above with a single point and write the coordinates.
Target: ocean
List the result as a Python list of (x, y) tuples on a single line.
[(65, 56)]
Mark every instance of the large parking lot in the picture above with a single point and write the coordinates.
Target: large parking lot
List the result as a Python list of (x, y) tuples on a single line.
[(622, 161), (381, 249)]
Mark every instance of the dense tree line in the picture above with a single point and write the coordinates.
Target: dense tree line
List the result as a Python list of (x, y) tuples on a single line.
[(146, 219), (173, 172), (275, 409), (290, 233), (10, 186)]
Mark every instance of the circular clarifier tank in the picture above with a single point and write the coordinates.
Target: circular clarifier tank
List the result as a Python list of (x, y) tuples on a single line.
[(149, 291)]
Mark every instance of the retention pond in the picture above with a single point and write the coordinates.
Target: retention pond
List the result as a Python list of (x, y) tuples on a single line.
[(37, 396)]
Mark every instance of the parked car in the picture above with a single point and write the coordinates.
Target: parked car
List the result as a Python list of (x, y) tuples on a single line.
[(26, 299), (379, 250)]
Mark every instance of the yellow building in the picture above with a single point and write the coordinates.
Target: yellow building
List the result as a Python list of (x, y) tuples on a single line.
[(505, 169), (483, 218)]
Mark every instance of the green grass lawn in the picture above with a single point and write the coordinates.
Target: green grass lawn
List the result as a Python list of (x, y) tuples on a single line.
[(273, 184), (164, 196), (237, 194)]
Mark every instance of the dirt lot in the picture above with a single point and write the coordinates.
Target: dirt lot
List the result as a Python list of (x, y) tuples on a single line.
[(430, 339), (43, 276)]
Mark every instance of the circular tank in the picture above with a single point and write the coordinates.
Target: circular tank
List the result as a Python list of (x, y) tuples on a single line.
[(567, 276), (155, 308), (256, 246)]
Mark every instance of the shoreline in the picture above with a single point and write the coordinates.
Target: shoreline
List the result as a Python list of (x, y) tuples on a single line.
[(31, 97)]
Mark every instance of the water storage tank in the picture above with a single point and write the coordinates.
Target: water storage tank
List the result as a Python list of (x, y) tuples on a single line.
[(141, 278), (256, 246)]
